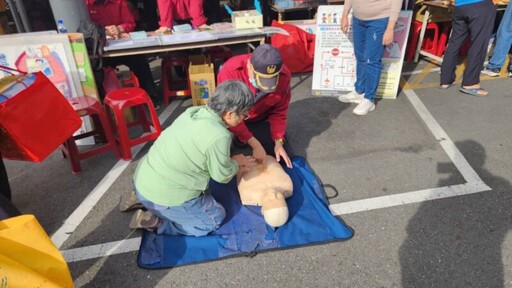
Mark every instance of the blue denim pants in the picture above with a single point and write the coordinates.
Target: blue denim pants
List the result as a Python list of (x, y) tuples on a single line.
[(369, 50), (503, 41), (196, 217)]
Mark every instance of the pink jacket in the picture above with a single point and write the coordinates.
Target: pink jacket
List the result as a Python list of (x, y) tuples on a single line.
[(171, 10)]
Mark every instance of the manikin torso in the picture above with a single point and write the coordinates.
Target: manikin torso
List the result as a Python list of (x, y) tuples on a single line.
[(267, 187)]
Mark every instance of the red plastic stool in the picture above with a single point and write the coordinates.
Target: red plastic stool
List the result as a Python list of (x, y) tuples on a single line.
[(119, 100), (168, 63), (429, 41), (443, 37), (88, 106)]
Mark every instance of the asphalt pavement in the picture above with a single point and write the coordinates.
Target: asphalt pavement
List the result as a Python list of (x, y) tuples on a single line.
[(424, 181)]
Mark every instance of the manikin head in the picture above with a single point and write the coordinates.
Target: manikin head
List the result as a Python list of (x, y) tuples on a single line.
[(274, 208)]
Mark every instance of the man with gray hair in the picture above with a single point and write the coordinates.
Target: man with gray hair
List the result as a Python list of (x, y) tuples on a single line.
[(171, 180)]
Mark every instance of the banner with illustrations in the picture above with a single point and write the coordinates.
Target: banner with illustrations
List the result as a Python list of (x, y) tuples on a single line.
[(334, 69)]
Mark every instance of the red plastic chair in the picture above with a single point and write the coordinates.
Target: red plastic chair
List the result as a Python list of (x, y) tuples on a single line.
[(170, 82), (430, 41), (88, 106), (119, 100), (443, 37)]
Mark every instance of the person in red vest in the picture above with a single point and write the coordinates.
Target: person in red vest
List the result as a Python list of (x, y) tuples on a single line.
[(116, 17), (269, 80), (172, 10)]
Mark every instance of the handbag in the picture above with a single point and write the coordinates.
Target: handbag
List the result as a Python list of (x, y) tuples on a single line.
[(35, 118), (297, 50), (28, 257), (95, 39)]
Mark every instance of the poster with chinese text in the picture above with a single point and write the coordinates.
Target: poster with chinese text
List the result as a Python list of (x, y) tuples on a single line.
[(334, 69)]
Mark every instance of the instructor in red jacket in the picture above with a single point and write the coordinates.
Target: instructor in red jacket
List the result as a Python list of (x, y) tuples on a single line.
[(269, 80), (172, 10)]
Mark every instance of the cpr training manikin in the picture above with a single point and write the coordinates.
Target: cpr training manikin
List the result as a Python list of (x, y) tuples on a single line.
[(267, 186)]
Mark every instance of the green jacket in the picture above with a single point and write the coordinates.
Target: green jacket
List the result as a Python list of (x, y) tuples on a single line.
[(177, 168)]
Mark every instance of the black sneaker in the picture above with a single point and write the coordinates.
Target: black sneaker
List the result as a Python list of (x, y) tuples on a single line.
[(493, 72)]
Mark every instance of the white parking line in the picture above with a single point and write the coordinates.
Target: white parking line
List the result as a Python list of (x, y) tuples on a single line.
[(474, 185), (101, 250), (69, 226)]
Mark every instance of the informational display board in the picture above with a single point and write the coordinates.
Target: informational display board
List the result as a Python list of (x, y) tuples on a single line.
[(46, 52), (334, 71)]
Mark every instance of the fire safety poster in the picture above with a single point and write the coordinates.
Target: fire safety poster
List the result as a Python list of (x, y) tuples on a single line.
[(334, 69)]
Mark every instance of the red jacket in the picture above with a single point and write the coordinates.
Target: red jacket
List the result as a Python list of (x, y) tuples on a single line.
[(273, 106), (112, 12), (171, 10)]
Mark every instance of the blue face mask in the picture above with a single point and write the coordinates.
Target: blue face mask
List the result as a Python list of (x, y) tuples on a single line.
[(253, 82)]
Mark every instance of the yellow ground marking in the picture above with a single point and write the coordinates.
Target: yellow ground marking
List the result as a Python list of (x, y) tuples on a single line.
[(419, 78), (416, 82)]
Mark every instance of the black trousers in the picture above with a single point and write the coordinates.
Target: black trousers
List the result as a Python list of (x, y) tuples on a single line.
[(211, 10), (261, 131), (476, 21), (140, 67)]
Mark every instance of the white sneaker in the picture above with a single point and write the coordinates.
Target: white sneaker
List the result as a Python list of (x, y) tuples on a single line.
[(494, 72), (351, 97), (364, 107)]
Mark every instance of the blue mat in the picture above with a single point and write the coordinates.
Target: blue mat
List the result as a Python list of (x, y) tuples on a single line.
[(244, 231)]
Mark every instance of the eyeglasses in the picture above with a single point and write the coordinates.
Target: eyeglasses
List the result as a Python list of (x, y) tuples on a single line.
[(245, 115)]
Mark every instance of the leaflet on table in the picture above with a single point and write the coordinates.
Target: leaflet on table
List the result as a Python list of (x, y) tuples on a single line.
[(232, 33), (334, 71), (119, 44), (187, 38), (274, 30)]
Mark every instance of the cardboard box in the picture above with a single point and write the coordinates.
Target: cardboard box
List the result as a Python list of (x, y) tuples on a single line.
[(202, 79), (247, 19)]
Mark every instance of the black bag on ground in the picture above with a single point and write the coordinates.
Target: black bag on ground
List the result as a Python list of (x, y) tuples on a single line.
[(95, 40)]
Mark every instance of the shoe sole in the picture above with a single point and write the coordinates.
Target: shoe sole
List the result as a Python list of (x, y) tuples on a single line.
[(350, 101), (362, 114), (140, 221), (491, 74)]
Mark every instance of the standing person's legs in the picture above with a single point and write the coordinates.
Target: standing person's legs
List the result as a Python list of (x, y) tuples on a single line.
[(373, 55), (196, 217), (503, 41), (359, 31), (451, 54), (481, 18)]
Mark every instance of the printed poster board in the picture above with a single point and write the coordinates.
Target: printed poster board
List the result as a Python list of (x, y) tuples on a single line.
[(48, 53), (334, 69), (63, 60)]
